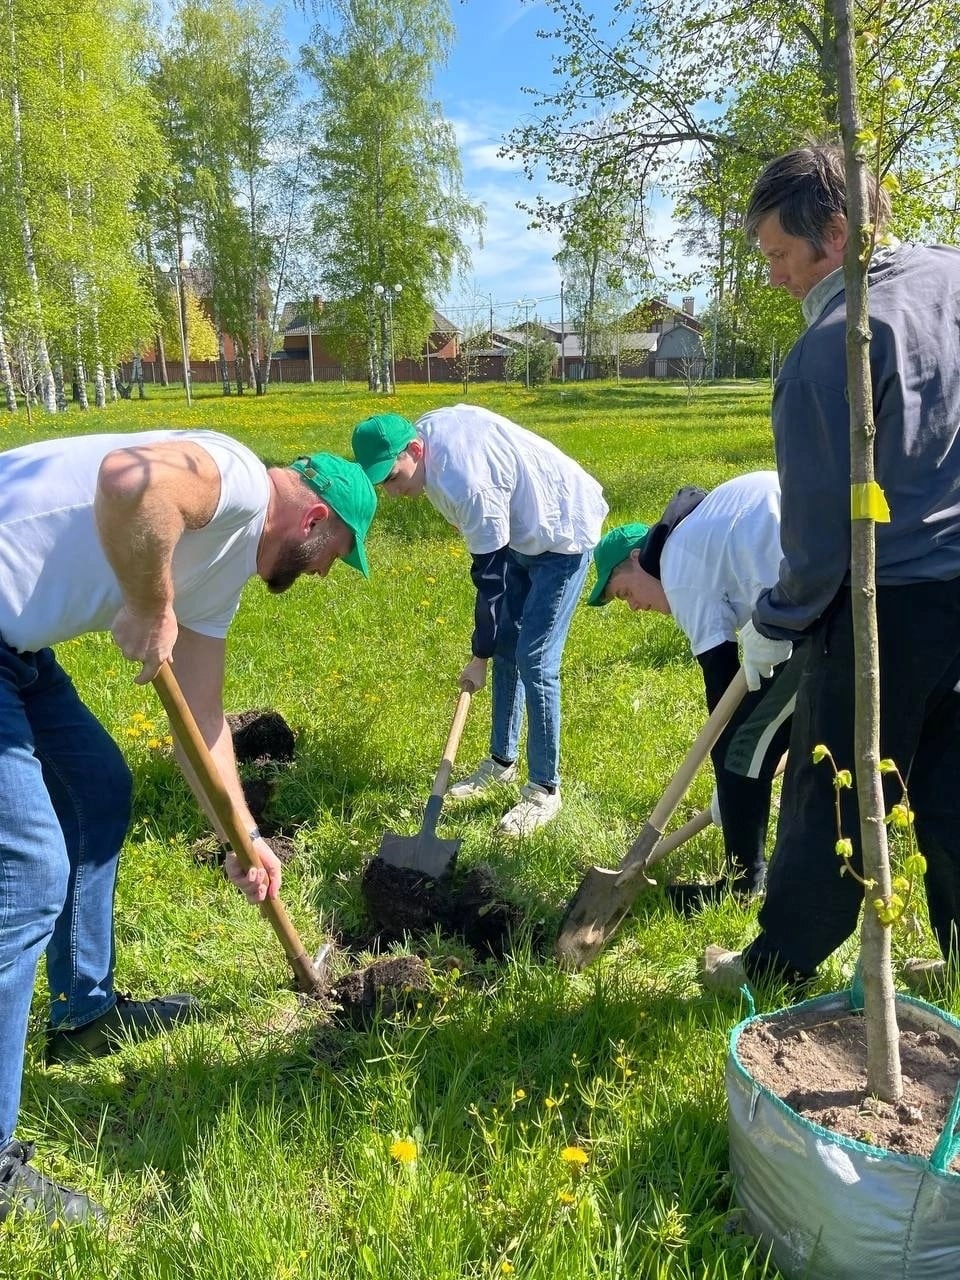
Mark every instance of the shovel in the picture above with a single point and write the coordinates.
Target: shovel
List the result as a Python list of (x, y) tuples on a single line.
[(605, 896), (309, 975), (425, 851)]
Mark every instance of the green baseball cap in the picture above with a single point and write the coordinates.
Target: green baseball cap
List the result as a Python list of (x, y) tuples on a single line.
[(346, 490), (379, 441), (612, 549)]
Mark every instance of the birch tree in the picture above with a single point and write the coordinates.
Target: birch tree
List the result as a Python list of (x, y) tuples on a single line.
[(388, 206)]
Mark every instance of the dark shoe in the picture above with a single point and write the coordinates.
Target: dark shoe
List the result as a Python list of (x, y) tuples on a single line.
[(127, 1020), (23, 1188), (690, 898)]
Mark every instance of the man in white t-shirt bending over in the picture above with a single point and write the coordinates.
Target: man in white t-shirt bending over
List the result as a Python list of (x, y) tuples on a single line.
[(150, 536), (706, 562), (530, 517)]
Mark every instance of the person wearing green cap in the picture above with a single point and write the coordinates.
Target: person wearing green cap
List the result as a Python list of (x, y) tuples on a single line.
[(530, 517), (705, 562), (151, 537)]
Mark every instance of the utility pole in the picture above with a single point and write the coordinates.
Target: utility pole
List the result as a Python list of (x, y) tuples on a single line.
[(181, 303), (527, 303), (310, 307), (383, 291), (563, 339)]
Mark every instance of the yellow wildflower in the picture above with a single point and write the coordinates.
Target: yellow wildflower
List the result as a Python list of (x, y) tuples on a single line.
[(519, 1095), (566, 1197), (404, 1151), (507, 1267), (574, 1156)]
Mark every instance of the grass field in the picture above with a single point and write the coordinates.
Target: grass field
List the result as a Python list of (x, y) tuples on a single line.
[(257, 1144)]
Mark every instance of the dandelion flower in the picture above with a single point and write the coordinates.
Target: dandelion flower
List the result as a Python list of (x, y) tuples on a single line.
[(574, 1156), (519, 1095), (403, 1150), (507, 1267), (566, 1197), (550, 1103)]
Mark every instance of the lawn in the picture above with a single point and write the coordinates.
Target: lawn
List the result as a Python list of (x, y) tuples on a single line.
[(257, 1144)]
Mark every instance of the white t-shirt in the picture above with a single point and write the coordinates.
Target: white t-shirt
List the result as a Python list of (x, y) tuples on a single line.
[(717, 561), (56, 582), (501, 485)]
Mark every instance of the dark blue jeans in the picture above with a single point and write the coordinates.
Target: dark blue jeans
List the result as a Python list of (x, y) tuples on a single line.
[(541, 595), (64, 810)]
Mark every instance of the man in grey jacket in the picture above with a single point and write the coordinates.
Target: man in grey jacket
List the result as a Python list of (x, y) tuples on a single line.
[(797, 217)]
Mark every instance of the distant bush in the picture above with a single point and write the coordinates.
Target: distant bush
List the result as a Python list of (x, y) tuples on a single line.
[(541, 355)]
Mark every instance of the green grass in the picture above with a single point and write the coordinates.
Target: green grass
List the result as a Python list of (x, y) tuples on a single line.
[(256, 1144)]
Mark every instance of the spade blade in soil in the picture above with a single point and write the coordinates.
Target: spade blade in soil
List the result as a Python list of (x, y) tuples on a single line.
[(423, 853), (600, 903)]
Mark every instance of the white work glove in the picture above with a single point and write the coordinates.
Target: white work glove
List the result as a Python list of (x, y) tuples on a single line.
[(760, 655), (715, 809)]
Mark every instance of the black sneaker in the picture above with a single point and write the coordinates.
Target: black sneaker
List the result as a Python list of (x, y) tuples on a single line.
[(127, 1020), (24, 1189), (688, 899)]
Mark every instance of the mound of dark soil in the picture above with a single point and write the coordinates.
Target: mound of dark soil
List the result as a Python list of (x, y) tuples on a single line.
[(382, 988), (402, 901), (261, 737)]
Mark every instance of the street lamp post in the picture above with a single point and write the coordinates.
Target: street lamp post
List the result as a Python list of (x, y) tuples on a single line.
[(527, 303), (174, 271), (390, 292)]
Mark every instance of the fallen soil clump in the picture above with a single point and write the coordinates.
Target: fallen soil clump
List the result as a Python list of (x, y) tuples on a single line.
[(381, 989), (402, 901), (261, 736), (818, 1067)]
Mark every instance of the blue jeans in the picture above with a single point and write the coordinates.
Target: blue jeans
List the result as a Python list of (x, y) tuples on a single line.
[(64, 810), (541, 595)]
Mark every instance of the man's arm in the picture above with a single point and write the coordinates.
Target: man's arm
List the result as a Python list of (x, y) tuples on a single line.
[(812, 438), (198, 663), (488, 572), (147, 498)]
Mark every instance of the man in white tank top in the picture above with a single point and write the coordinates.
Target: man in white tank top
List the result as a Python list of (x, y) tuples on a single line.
[(150, 536)]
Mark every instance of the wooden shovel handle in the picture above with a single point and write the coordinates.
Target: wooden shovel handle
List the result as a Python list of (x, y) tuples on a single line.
[(641, 850), (453, 741), (187, 734), (693, 826)]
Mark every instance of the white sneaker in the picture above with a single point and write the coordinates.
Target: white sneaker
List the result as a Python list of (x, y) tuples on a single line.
[(486, 775), (537, 806)]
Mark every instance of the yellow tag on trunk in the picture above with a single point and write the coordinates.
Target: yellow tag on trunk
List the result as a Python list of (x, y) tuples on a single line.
[(868, 502)]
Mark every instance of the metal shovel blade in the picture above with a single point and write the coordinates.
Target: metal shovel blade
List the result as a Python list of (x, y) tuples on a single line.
[(428, 854), (604, 897)]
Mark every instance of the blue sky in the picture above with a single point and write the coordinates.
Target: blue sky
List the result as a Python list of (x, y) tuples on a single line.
[(495, 55)]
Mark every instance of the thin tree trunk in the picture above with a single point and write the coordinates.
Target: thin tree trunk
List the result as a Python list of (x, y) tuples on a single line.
[(99, 377), (222, 359), (138, 374), (883, 1037), (182, 294), (160, 354), (47, 389), (58, 385), (6, 375), (80, 386)]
